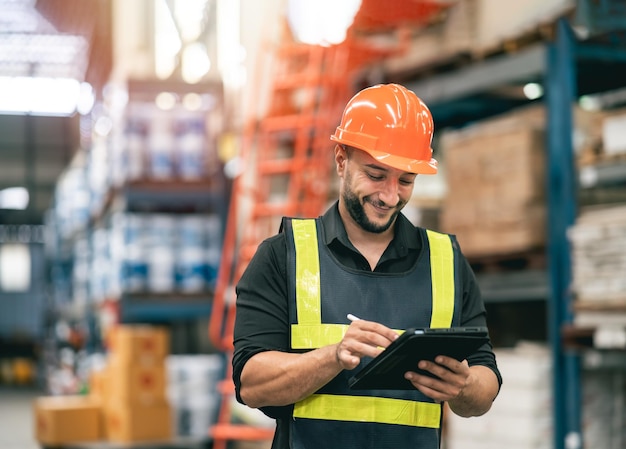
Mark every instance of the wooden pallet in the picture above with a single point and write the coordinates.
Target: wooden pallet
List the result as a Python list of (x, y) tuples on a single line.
[(541, 33)]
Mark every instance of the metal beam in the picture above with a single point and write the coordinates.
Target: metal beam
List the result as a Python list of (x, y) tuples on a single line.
[(595, 52), (525, 65), (561, 184)]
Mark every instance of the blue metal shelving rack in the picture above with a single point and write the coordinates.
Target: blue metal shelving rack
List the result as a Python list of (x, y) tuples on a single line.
[(568, 68), (561, 91)]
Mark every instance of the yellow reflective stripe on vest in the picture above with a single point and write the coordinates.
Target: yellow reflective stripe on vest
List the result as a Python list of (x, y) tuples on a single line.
[(308, 300), (315, 336), (442, 275), (369, 409)]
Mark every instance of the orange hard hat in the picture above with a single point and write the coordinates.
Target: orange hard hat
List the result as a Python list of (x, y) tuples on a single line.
[(393, 125)]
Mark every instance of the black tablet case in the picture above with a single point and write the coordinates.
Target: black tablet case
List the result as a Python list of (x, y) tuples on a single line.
[(386, 372)]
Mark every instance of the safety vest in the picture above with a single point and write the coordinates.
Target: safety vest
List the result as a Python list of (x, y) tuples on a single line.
[(322, 292)]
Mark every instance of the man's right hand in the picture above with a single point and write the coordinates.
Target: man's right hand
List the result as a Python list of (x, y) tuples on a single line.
[(363, 339)]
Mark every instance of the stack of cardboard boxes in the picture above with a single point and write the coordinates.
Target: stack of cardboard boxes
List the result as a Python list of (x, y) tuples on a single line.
[(135, 405), (495, 171), (127, 400)]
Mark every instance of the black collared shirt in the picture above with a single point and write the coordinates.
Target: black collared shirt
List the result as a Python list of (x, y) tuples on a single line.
[(262, 322)]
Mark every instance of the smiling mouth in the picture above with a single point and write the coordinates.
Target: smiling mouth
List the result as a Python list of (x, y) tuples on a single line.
[(381, 209)]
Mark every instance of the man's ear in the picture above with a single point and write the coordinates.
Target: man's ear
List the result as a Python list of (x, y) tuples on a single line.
[(341, 157)]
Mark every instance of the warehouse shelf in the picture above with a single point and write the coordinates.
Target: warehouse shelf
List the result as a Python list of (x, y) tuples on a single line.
[(513, 286), (602, 174), (474, 91), (601, 338), (470, 91), (170, 196), (162, 308)]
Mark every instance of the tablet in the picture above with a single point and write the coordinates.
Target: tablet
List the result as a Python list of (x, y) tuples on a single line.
[(386, 371)]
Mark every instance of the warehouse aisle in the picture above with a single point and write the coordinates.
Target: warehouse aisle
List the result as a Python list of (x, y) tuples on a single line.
[(16, 418)]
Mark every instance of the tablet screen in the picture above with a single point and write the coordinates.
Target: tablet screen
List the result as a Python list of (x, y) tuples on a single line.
[(386, 372)]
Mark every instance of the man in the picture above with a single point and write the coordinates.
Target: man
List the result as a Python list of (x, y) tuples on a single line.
[(295, 349)]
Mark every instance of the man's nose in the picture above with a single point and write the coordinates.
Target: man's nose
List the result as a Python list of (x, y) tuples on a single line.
[(390, 192)]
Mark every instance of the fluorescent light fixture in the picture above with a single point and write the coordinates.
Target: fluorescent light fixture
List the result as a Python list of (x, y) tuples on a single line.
[(321, 22), (165, 101), (38, 96), (103, 126), (86, 99), (14, 198), (195, 62), (192, 101), (590, 103), (15, 267), (167, 42), (533, 91)]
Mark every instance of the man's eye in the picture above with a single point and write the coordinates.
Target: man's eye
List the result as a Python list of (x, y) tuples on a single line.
[(375, 177)]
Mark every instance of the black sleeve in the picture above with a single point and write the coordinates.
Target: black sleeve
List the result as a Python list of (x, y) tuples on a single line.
[(262, 319), (475, 314)]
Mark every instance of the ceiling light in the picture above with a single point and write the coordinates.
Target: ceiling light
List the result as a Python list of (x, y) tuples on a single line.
[(15, 267), (533, 91), (589, 103), (195, 62), (38, 96), (103, 126), (14, 198), (165, 101), (322, 22), (167, 42), (192, 102), (86, 99)]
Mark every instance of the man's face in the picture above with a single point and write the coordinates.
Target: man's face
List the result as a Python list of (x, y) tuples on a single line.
[(373, 193)]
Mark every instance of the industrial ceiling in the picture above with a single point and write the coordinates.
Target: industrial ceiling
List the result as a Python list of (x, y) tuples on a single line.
[(47, 38)]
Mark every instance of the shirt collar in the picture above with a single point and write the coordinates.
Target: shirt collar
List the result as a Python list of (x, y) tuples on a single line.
[(405, 237)]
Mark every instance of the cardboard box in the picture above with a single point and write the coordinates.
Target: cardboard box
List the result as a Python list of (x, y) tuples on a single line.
[(136, 383), (98, 384), (99, 393), (495, 170), (139, 343), (67, 419), (129, 423)]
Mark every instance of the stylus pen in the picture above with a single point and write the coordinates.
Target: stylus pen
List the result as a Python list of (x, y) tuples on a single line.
[(352, 317)]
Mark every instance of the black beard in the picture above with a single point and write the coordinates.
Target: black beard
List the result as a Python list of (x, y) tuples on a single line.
[(357, 212)]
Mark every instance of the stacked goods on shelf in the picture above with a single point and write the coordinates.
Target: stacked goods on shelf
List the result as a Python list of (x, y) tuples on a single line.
[(163, 145), (439, 42), (495, 171), (598, 243), (479, 28), (17, 370), (521, 416), (169, 253), (132, 389), (509, 25), (495, 174), (147, 253), (192, 392), (604, 408), (603, 140), (614, 134), (72, 200)]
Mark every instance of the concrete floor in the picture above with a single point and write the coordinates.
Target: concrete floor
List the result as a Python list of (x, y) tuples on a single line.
[(16, 418)]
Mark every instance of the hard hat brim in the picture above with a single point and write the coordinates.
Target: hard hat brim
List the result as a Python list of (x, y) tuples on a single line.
[(405, 164)]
